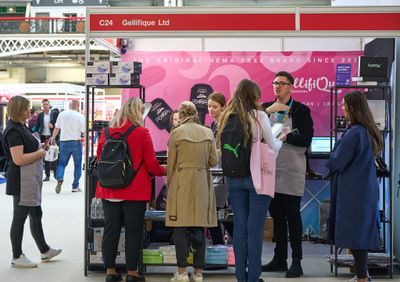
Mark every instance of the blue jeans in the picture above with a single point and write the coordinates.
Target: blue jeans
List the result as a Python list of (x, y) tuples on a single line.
[(68, 148), (249, 213)]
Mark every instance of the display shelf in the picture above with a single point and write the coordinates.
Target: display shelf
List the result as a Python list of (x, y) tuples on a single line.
[(387, 223), (91, 179)]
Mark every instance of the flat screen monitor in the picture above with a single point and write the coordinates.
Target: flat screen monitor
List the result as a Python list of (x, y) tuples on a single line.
[(321, 144)]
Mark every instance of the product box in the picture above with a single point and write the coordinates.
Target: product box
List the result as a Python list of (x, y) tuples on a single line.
[(126, 67), (268, 229), (95, 257), (97, 237), (120, 259), (120, 79), (96, 79), (98, 67), (121, 243), (135, 79)]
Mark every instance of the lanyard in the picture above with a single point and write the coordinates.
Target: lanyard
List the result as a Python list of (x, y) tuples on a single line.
[(281, 119)]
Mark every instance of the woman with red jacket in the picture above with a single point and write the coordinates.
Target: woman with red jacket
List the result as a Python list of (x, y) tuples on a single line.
[(126, 206)]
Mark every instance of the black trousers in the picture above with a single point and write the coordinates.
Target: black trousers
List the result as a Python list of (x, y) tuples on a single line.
[(183, 238), (17, 227), (285, 210), (49, 165), (131, 215), (361, 263)]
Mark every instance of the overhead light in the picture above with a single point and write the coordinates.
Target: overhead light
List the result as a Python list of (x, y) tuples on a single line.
[(10, 9), (59, 56)]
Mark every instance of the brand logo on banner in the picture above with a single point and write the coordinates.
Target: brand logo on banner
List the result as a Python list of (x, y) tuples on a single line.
[(170, 77), (69, 2)]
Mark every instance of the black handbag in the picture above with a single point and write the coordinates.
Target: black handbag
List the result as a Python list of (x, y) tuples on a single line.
[(382, 169)]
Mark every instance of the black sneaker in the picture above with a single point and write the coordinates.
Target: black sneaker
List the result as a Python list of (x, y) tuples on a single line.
[(58, 187), (113, 277), (295, 269), (46, 179), (275, 265)]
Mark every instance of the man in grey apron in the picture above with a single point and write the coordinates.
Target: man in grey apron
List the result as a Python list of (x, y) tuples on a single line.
[(290, 173)]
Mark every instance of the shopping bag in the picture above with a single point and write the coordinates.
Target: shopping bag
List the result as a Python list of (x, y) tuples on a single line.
[(263, 166), (51, 153)]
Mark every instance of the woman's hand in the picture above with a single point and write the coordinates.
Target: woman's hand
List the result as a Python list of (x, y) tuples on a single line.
[(165, 168), (41, 153)]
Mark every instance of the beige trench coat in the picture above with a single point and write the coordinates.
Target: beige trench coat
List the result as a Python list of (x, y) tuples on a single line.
[(191, 196)]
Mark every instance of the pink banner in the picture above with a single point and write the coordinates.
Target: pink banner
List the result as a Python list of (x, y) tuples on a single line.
[(173, 77)]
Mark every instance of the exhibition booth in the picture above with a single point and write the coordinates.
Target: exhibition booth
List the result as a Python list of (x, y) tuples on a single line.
[(188, 53)]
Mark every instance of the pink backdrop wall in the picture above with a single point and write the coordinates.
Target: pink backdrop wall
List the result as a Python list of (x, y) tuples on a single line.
[(171, 75)]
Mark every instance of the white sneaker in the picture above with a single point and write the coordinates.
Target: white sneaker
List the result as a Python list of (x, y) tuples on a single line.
[(50, 254), (355, 279), (198, 277), (23, 262), (180, 277)]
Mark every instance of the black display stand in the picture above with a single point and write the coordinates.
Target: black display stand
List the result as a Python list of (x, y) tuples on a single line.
[(387, 220), (91, 179)]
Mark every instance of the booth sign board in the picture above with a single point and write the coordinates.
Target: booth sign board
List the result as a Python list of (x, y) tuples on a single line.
[(244, 21), (53, 3)]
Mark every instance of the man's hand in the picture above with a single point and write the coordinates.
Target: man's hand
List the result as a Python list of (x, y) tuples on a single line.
[(276, 107), (51, 125)]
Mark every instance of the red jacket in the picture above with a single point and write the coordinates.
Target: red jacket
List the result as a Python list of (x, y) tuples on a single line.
[(141, 147)]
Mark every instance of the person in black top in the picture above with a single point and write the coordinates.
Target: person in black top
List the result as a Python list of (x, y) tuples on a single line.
[(45, 127), (24, 181), (290, 173), (216, 104)]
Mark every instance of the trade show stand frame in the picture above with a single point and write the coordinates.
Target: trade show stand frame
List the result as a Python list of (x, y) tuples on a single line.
[(235, 22)]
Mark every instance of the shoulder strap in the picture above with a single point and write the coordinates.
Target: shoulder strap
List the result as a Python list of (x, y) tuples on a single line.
[(107, 133), (130, 129)]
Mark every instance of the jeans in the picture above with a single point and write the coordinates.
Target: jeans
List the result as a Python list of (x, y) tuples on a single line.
[(17, 227), (131, 215), (68, 148), (249, 213)]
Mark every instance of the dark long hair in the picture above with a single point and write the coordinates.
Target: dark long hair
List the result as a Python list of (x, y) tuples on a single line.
[(359, 113), (243, 102)]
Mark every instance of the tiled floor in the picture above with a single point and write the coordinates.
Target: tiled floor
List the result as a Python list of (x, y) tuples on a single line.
[(63, 222)]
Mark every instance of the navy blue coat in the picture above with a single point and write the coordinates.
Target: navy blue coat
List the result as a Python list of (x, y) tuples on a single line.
[(353, 220)]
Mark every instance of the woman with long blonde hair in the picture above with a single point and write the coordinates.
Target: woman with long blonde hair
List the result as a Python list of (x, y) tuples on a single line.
[(126, 206)]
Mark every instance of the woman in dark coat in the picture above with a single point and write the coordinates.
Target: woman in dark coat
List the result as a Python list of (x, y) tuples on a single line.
[(355, 190)]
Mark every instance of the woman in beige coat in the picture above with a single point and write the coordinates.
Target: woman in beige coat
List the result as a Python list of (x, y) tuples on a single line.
[(191, 198)]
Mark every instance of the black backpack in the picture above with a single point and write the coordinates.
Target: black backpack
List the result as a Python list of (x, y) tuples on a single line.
[(235, 156), (115, 167)]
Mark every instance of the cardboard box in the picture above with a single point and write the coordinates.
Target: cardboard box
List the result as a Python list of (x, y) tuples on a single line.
[(96, 79), (120, 79), (268, 229), (98, 67), (126, 67)]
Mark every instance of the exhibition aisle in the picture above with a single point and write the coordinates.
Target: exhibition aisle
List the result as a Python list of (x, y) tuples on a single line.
[(63, 217)]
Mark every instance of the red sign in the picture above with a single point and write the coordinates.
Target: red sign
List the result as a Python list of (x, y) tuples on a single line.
[(351, 21), (195, 22)]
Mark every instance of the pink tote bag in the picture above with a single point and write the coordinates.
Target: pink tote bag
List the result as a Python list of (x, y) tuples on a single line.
[(263, 166)]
